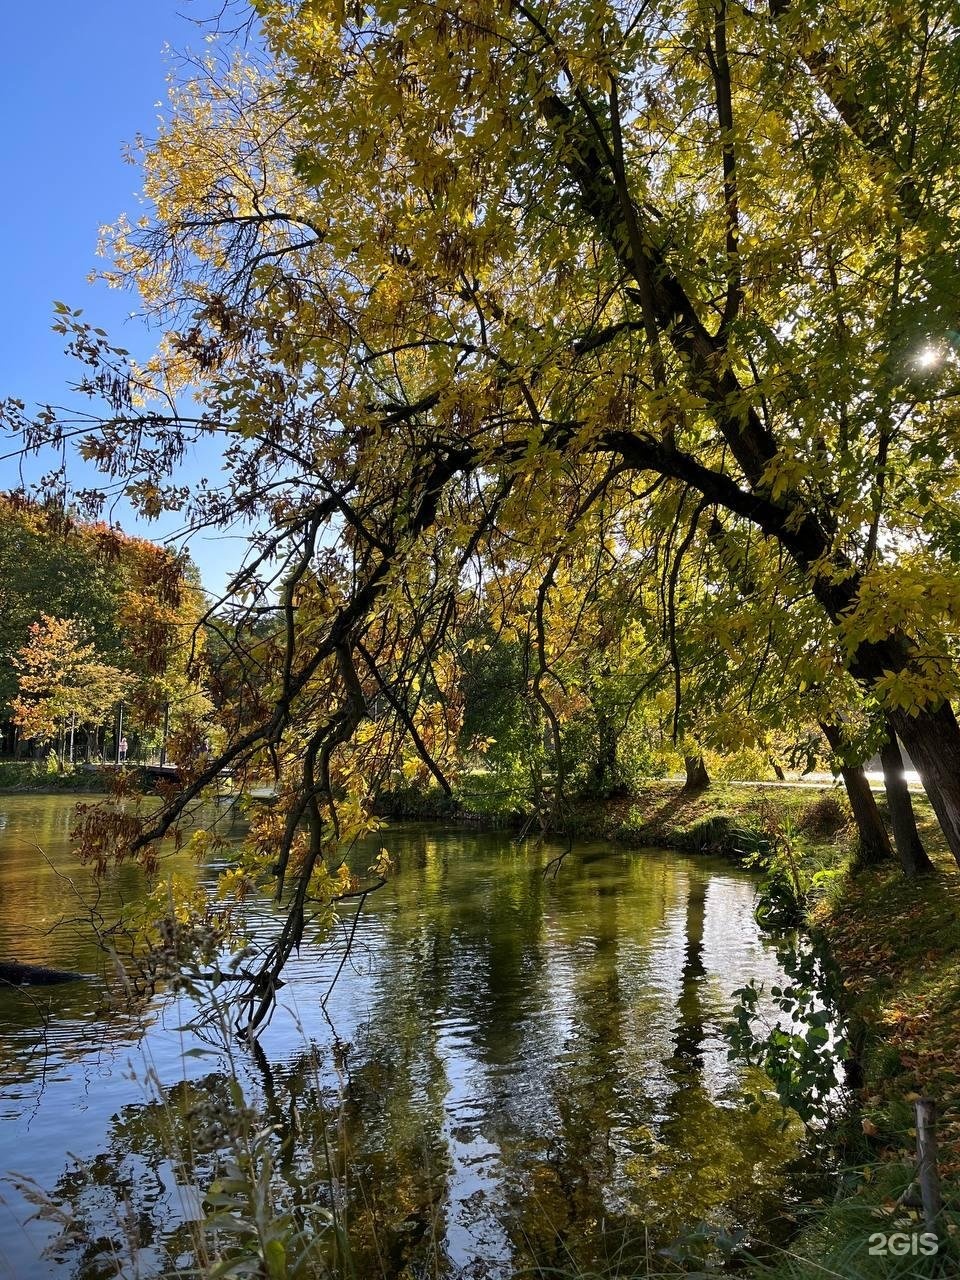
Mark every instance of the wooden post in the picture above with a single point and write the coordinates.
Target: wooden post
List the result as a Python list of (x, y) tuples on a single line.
[(928, 1174)]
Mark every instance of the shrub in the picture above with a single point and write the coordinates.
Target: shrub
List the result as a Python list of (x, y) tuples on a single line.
[(824, 816)]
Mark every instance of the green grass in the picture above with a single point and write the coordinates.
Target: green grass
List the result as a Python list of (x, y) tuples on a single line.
[(36, 776), (897, 944)]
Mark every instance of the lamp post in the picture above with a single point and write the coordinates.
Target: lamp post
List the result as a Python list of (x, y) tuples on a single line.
[(166, 728)]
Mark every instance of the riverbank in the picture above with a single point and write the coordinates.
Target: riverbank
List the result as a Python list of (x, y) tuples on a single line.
[(717, 820), (896, 946), (33, 777), (895, 941)]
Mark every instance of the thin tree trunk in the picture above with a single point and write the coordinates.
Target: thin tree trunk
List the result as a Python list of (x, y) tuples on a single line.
[(910, 850), (873, 845), (697, 777), (777, 769), (605, 773)]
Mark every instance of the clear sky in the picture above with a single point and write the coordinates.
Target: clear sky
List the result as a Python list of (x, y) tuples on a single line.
[(81, 77)]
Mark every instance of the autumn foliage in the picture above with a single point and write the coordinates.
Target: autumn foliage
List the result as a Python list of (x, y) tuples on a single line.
[(91, 617), (624, 335), (61, 680)]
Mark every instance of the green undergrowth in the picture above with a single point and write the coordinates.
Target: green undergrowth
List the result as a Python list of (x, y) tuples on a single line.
[(41, 776), (482, 797), (896, 943)]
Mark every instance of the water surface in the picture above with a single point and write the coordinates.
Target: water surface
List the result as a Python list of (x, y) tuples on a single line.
[(510, 1068)]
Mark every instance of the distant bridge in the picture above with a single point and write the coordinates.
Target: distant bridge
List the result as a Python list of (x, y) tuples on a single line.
[(171, 773)]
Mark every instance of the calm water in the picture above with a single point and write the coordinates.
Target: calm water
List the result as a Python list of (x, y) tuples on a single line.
[(514, 1068)]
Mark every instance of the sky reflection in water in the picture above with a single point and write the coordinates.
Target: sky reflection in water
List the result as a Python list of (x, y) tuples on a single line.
[(519, 1059)]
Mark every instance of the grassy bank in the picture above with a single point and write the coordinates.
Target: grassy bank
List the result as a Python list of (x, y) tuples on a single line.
[(34, 777), (662, 814)]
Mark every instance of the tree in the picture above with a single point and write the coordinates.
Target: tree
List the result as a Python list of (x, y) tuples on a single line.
[(44, 567), (706, 374), (136, 602), (873, 841), (450, 279), (62, 682)]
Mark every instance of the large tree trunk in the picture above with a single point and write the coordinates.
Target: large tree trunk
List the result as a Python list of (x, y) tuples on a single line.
[(697, 777), (932, 740), (910, 850), (873, 843)]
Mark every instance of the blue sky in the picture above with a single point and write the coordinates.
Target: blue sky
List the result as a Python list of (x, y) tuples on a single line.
[(81, 77)]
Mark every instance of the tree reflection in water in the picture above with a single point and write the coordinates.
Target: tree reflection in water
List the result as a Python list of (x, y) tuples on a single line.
[(528, 1072)]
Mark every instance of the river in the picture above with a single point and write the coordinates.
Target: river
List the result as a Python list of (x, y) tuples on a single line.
[(513, 1069)]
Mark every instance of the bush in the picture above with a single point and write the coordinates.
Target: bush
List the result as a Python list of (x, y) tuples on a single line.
[(716, 834), (824, 817), (37, 775), (413, 801)]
